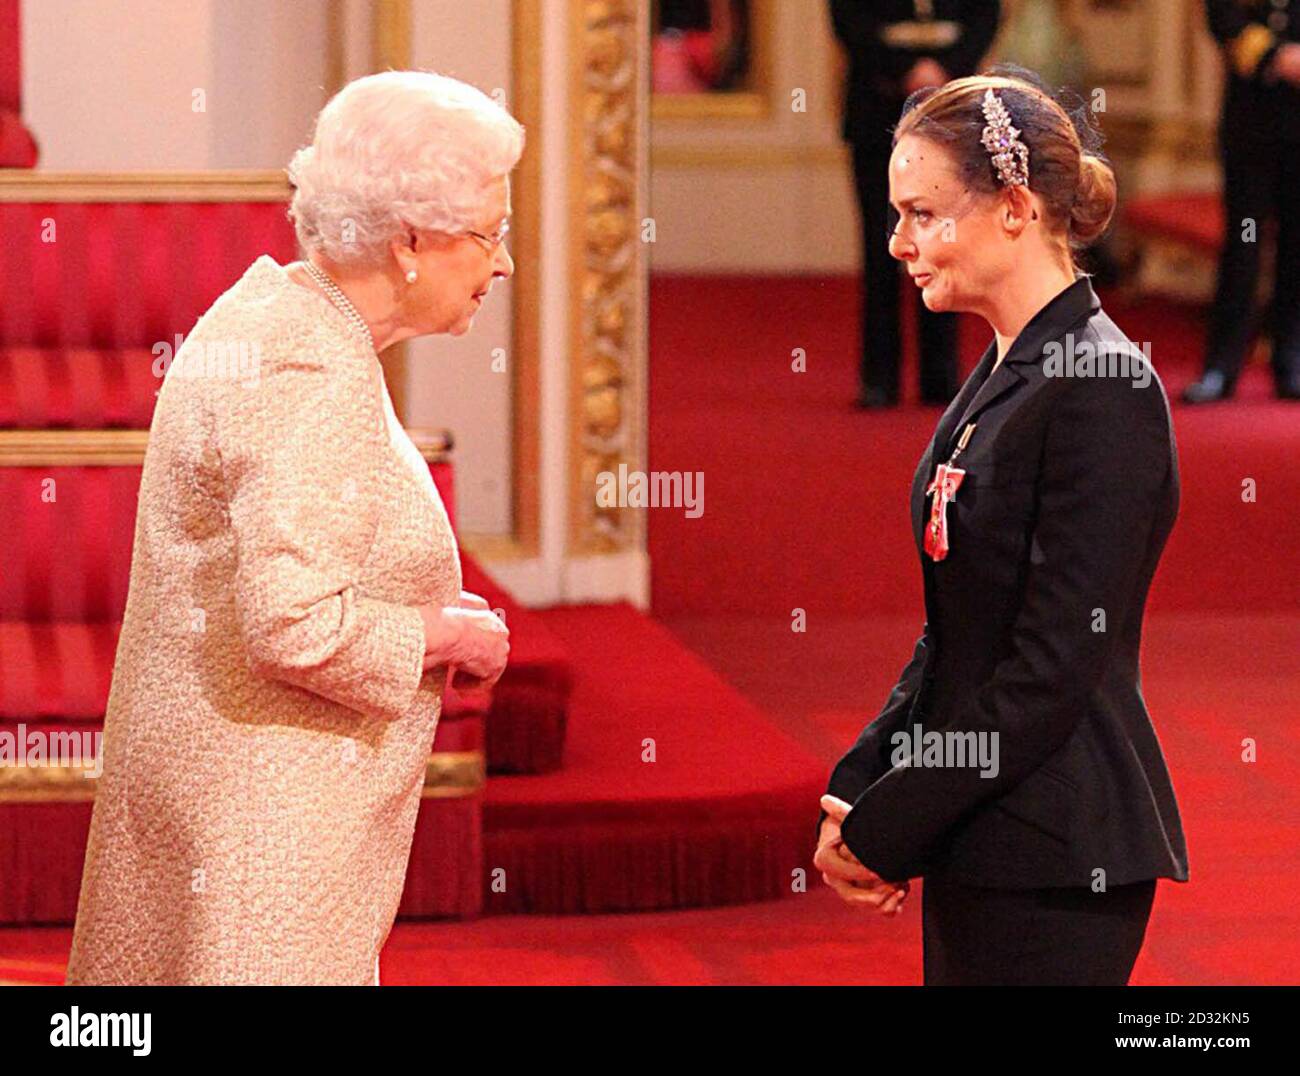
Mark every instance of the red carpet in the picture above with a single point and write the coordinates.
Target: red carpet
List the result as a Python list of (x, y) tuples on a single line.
[(806, 499), (806, 508)]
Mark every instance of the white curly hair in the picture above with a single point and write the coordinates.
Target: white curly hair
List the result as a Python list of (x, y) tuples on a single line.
[(395, 149)]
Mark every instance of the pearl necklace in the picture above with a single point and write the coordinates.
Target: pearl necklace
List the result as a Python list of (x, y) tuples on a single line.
[(341, 302)]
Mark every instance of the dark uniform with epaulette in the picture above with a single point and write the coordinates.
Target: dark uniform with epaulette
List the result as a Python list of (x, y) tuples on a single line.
[(1259, 140), (884, 39)]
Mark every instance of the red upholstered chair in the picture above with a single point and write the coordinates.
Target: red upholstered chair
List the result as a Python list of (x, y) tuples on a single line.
[(91, 314), (62, 594), (17, 146), (95, 293)]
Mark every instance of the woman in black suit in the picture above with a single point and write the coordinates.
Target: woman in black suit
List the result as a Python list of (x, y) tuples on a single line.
[(1014, 767)]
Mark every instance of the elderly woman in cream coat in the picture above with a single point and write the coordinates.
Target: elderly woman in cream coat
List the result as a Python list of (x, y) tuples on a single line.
[(295, 605)]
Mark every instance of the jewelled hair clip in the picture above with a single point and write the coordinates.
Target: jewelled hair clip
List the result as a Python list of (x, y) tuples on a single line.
[(1010, 155)]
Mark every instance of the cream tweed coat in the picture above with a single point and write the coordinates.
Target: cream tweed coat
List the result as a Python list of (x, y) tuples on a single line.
[(269, 719)]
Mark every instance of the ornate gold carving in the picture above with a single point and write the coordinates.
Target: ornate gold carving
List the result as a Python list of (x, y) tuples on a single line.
[(454, 773), (21, 185), (606, 50), (116, 448), (447, 774), (525, 315)]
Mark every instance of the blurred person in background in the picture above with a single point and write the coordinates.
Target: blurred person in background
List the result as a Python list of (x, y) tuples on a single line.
[(894, 48), (1259, 144)]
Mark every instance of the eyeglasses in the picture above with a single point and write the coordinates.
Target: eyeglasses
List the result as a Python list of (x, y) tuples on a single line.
[(494, 240)]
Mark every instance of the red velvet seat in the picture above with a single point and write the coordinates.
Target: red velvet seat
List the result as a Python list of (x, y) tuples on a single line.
[(55, 672), (79, 387), (62, 595), (89, 321), (126, 274), (68, 542)]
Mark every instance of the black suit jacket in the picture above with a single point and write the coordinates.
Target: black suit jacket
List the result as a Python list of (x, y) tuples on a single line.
[(874, 93), (1256, 106), (1071, 490)]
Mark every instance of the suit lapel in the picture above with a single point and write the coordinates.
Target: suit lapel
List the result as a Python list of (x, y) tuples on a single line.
[(1073, 305), (943, 434), (982, 389), (1005, 378), (948, 425)]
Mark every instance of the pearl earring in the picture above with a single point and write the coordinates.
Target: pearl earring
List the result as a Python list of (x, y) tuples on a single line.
[(410, 276)]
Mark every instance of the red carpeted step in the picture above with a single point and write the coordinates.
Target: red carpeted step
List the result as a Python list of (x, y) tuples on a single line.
[(44, 826), (722, 812), (444, 877), (530, 703), (1194, 936)]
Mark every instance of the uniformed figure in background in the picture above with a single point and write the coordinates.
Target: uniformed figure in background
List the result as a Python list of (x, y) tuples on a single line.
[(1259, 140), (894, 48)]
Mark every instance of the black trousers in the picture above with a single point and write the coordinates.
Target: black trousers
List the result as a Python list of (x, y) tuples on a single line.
[(881, 276), (1261, 182), (975, 936)]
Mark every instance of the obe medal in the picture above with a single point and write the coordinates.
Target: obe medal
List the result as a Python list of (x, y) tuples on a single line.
[(947, 480)]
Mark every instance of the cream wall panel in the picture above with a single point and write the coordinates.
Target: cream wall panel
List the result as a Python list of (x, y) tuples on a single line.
[(269, 63), (789, 219), (110, 86)]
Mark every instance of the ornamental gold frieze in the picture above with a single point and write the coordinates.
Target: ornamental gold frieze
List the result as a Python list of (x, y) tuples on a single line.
[(609, 270)]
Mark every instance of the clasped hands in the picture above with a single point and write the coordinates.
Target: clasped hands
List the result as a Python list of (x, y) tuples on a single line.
[(469, 638), (844, 873)]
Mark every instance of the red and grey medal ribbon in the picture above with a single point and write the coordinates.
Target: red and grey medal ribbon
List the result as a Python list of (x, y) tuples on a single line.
[(947, 480)]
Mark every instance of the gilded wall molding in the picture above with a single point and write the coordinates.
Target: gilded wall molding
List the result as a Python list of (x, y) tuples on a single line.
[(125, 448), (606, 57), (390, 47), (230, 185), (447, 775)]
